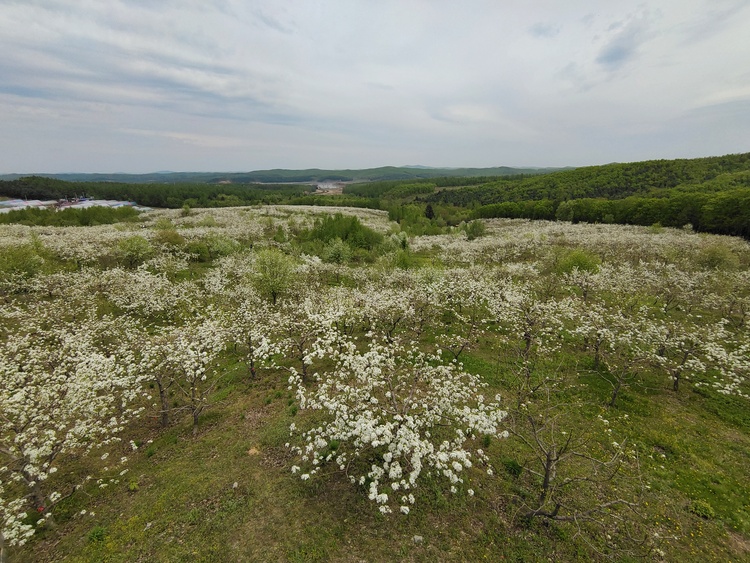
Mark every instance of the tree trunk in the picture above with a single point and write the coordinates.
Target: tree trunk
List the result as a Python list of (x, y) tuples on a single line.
[(164, 400), (615, 392)]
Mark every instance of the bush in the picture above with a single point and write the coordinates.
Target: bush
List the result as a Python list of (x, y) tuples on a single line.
[(579, 259), (20, 261), (169, 237), (475, 229), (134, 251), (337, 252), (513, 467), (703, 509), (219, 245), (198, 251), (164, 223), (404, 260), (97, 534), (718, 257), (348, 229)]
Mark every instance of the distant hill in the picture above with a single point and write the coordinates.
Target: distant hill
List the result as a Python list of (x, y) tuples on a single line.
[(281, 175), (609, 181)]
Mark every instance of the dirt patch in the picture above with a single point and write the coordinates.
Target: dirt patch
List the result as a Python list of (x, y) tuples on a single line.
[(739, 544), (277, 457), (255, 418)]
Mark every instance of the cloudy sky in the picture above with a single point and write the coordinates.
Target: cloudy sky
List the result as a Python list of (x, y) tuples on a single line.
[(236, 85)]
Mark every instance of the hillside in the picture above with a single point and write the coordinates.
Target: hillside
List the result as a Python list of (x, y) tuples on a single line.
[(292, 384), (709, 194), (281, 175)]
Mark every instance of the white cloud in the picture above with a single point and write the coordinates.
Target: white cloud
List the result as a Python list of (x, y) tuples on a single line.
[(357, 83)]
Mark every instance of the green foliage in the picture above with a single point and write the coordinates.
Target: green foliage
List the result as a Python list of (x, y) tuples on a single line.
[(174, 195), (337, 252), (273, 273), (169, 238), (581, 260), (404, 259), (611, 181), (703, 509), (97, 534), (71, 217), (348, 229), (512, 467), (134, 251), (164, 224), (22, 260), (718, 257), (198, 251), (415, 220), (220, 245), (475, 229)]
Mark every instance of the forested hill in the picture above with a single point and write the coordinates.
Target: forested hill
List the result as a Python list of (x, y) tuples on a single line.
[(711, 194), (610, 181), (293, 176), (153, 195)]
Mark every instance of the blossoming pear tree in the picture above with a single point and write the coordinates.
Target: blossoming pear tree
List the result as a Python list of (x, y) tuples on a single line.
[(392, 414), (68, 391)]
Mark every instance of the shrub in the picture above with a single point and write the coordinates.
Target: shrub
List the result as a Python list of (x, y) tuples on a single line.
[(337, 252), (474, 229), (702, 508), (273, 273), (97, 534), (348, 229), (169, 237), (718, 257), (219, 245), (134, 251), (579, 259), (20, 261)]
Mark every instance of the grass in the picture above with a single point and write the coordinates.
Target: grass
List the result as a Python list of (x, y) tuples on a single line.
[(229, 496)]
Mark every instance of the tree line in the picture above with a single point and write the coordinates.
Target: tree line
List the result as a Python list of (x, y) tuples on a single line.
[(154, 195)]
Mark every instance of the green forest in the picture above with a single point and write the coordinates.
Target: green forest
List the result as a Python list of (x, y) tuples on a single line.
[(710, 194)]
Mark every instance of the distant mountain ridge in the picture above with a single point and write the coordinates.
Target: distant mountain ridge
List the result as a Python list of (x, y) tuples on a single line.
[(282, 175)]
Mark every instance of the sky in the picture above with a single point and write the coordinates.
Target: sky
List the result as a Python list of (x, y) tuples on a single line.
[(236, 85)]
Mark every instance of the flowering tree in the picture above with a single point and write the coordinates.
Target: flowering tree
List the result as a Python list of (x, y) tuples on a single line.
[(623, 343), (393, 413), (679, 349), (252, 324), (463, 298), (530, 324), (181, 356), (68, 390)]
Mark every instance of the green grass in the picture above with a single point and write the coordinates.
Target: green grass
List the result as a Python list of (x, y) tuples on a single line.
[(186, 508), (228, 494)]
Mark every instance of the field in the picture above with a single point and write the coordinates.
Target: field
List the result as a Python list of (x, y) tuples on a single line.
[(313, 384)]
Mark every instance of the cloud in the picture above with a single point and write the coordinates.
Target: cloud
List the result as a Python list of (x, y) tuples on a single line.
[(180, 83), (623, 47), (271, 22), (199, 140), (717, 18), (544, 30)]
